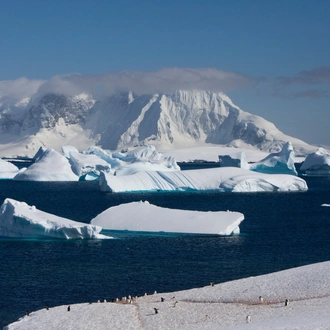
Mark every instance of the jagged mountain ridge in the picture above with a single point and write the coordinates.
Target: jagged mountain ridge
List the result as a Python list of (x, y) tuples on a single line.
[(184, 118)]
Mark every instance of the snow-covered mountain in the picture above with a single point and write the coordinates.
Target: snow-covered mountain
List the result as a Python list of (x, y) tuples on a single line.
[(178, 120)]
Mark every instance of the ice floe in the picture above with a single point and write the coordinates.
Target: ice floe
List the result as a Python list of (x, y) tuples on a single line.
[(142, 216)]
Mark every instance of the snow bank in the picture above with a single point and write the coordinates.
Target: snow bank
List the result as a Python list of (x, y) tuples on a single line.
[(227, 179), (49, 166), (277, 163), (317, 163), (19, 220), (142, 216), (220, 306)]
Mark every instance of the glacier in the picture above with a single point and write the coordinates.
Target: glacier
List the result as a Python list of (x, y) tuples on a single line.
[(317, 163), (49, 166), (20, 220), (181, 119), (223, 179), (143, 216), (279, 162)]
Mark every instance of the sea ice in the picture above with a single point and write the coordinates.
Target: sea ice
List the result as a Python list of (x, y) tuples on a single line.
[(142, 216), (226, 179), (20, 220), (49, 166), (277, 163), (317, 163)]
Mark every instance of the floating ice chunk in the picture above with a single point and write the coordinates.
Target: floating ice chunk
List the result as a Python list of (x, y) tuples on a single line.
[(8, 170), (317, 163), (144, 158), (223, 179), (20, 220), (277, 163), (325, 205), (142, 216), (49, 166), (87, 166), (234, 160)]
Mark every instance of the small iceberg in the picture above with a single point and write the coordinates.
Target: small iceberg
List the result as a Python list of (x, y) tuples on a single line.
[(20, 220), (317, 163), (49, 166), (277, 163), (145, 217)]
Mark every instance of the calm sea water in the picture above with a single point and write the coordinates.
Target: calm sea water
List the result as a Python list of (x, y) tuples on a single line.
[(280, 231)]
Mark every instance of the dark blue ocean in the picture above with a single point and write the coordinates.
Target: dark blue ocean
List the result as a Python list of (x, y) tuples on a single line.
[(280, 231)]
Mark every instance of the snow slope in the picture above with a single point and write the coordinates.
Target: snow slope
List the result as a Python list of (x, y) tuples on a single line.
[(179, 120), (220, 306)]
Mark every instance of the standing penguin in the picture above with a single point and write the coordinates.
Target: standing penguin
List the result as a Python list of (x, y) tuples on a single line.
[(69, 308)]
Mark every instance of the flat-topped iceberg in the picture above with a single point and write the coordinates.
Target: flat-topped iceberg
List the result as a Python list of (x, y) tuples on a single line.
[(142, 216), (317, 163), (49, 166), (20, 220), (277, 163), (226, 179)]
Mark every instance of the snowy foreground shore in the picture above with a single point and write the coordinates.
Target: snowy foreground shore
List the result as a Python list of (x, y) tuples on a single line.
[(251, 303)]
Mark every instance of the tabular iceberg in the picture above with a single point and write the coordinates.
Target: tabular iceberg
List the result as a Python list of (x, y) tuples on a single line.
[(49, 166), (226, 179), (142, 216), (20, 220), (317, 163), (280, 162)]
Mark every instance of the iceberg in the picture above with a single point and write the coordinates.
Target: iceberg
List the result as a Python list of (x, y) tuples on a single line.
[(49, 166), (226, 179), (234, 160), (142, 216), (277, 163), (317, 163), (8, 170), (20, 220), (86, 166), (143, 158)]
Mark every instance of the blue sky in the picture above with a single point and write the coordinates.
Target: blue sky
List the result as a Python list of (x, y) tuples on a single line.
[(279, 49)]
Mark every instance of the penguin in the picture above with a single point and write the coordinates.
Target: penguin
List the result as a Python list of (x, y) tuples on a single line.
[(162, 299), (261, 300), (69, 308), (27, 313), (248, 319), (286, 303), (156, 310)]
